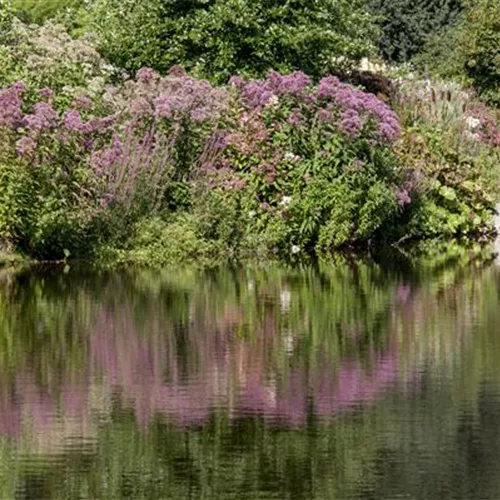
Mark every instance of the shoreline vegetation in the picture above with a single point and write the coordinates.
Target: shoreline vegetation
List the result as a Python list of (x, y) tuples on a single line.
[(155, 133)]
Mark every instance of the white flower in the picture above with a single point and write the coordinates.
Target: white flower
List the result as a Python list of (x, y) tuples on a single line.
[(472, 123), (273, 102), (295, 249), (285, 201), (289, 156)]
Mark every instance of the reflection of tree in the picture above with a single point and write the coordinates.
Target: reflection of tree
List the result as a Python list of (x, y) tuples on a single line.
[(220, 384)]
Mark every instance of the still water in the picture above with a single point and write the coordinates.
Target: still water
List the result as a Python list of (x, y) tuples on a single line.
[(348, 380)]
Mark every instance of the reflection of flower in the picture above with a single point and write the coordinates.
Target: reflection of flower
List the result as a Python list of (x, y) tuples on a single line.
[(285, 299)]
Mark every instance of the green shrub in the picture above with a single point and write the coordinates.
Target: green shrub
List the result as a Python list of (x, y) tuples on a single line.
[(218, 38), (470, 51), (405, 25), (39, 219), (37, 12), (157, 241), (456, 190)]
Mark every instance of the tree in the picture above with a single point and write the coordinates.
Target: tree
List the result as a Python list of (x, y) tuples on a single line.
[(217, 38), (406, 24)]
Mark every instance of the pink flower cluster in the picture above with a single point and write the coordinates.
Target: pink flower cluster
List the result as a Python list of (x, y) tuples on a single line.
[(331, 101), (259, 93), (10, 105)]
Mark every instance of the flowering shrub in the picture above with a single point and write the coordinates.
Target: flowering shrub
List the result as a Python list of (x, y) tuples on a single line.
[(294, 142), (450, 147), (113, 167), (278, 164), (448, 107), (47, 56)]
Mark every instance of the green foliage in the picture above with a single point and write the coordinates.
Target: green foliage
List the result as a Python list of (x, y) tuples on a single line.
[(470, 51), (37, 12), (157, 241), (456, 188), (41, 212), (16, 197), (349, 209), (406, 24), (218, 38)]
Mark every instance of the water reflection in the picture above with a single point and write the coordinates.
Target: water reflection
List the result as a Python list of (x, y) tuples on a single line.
[(345, 380)]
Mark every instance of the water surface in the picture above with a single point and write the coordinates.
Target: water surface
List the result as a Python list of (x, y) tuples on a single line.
[(349, 380)]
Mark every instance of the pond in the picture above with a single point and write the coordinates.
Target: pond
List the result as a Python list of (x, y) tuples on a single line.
[(356, 379)]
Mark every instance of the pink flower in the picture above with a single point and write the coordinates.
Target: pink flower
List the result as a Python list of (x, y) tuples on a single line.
[(73, 120), (10, 107), (402, 197), (46, 93), (82, 102), (25, 146), (145, 75)]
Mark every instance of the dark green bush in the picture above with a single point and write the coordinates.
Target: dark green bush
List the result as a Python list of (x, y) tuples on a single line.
[(406, 24), (218, 38)]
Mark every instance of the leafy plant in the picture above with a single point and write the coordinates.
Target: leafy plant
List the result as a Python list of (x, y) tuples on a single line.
[(470, 51), (36, 12), (405, 25), (218, 38)]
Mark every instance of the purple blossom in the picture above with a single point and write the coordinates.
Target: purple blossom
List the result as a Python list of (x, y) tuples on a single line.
[(145, 75), (324, 115), (82, 102), (350, 123), (47, 115), (293, 83), (388, 131), (140, 107), (73, 120), (257, 93), (294, 117), (32, 123), (108, 157), (236, 81), (19, 88), (199, 115), (187, 97), (163, 107), (327, 87), (25, 146), (402, 197), (219, 140), (10, 107), (177, 70), (46, 93), (100, 125)]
